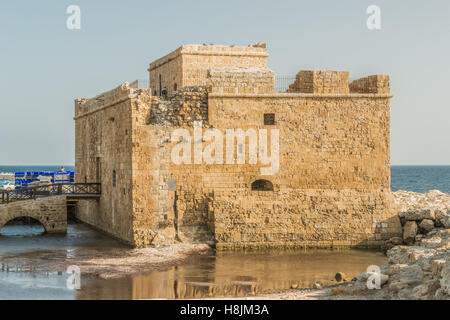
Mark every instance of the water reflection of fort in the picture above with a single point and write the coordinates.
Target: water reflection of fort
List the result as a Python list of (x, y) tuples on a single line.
[(235, 275)]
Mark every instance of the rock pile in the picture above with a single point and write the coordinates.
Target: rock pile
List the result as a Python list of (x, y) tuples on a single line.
[(420, 214), (419, 272), (421, 268)]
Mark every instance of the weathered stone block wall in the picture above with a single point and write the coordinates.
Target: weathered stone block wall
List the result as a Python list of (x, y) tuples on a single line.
[(321, 81), (165, 214), (189, 104), (189, 64), (170, 70), (336, 142), (241, 80), (50, 212), (371, 84), (303, 218), (332, 188), (334, 168), (103, 153)]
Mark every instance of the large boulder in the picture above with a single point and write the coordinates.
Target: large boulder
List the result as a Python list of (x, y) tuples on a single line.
[(445, 222), (426, 225), (420, 214), (409, 232), (441, 214)]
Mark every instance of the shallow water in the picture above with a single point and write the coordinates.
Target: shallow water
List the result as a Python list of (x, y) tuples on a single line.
[(228, 274), (237, 275)]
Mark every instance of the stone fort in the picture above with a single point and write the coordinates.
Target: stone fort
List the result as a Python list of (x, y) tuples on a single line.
[(332, 187)]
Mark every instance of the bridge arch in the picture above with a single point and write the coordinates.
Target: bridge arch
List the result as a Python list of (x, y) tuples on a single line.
[(36, 221), (33, 214), (50, 212)]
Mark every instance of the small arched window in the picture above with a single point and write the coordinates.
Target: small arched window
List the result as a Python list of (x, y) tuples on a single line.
[(262, 185), (175, 87)]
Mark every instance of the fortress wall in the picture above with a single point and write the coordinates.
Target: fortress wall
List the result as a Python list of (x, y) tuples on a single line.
[(318, 218), (189, 64), (168, 200), (335, 142), (334, 179), (152, 203), (103, 129), (321, 81), (171, 71), (371, 84), (332, 188), (241, 80)]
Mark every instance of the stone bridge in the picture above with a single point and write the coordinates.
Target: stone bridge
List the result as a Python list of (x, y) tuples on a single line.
[(51, 212), (46, 203)]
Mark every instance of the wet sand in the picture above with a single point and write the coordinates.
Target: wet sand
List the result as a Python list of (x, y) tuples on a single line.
[(107, 264)]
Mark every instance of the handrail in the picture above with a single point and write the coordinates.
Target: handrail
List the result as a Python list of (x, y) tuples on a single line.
[(32, 193)]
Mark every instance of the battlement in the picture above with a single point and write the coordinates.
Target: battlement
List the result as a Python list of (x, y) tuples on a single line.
[(372, 84), (321, 81), (241, 80), (125, 91)]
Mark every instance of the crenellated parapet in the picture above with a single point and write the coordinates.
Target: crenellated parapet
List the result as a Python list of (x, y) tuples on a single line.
[(321, 81), (379, 83), (124, 92), (241, 80)]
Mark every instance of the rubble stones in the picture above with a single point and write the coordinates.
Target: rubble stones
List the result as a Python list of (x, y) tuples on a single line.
[(420, 271), (426, 225), (409, 232)]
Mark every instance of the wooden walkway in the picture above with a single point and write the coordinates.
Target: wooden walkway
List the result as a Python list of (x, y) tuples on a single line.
[(71, 190)]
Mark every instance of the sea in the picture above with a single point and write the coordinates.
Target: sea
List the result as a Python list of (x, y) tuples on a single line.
[(28, 168), (409, 178)]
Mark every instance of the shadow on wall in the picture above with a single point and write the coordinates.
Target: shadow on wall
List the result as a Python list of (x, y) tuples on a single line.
[(196, 220)]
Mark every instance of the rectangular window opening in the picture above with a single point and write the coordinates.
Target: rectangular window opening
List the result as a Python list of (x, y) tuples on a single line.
[(269, 119)]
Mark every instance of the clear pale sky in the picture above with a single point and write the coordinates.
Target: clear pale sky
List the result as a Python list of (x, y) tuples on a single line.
[(44, 66)]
